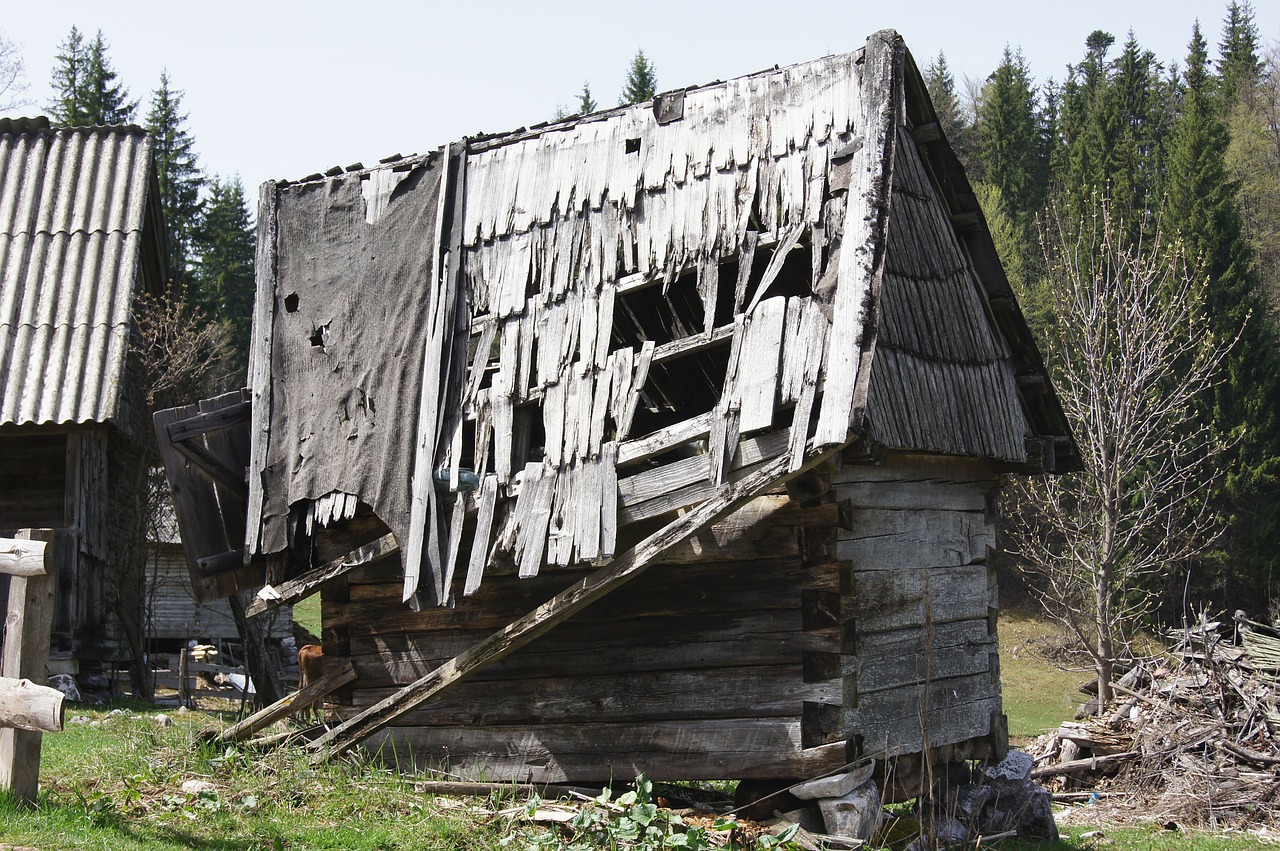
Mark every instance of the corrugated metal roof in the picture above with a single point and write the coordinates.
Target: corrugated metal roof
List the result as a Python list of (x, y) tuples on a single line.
[(72, 204)]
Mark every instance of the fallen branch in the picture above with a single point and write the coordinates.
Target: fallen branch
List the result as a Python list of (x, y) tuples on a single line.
[(1091, 764)]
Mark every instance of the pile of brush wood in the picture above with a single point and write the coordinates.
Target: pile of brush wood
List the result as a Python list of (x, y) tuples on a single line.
[(1193, 736)]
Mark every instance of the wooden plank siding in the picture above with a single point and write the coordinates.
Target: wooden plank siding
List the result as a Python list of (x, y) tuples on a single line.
[(921, 666), (700, 661)]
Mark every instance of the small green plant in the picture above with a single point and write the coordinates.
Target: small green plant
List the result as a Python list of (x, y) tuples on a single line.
[(633, 821)]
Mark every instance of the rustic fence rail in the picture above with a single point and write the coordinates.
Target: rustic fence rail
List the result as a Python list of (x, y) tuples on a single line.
[(26, 708)]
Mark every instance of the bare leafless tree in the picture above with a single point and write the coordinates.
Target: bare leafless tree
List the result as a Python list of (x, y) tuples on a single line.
[(179, 355), (13, 83), (1133, 356)]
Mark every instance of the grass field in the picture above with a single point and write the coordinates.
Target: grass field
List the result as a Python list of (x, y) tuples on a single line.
[(1038, 694)]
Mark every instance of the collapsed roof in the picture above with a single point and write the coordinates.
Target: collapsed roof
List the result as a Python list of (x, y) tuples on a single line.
[(603, 320)]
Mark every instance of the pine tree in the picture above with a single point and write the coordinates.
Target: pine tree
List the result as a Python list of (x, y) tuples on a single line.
[(222, 280), (1009, 139), (1089, 128), (952, 116), (586, 103), (86, 91), (68, 106), (108, 99), (1201, 208), (179, 174), (642, 80), (1239, 67)]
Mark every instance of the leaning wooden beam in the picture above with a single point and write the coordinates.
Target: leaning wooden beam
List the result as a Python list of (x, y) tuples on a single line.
[(289, 704), (296, 589), (20, 557), (208, 421), (28, 706), (556, 610)]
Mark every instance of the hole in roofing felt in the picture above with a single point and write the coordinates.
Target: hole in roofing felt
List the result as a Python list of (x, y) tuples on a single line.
[(291, 303), (318, 336), (633, 146)]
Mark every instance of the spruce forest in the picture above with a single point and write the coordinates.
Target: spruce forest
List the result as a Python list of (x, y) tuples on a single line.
[(1174, 159)]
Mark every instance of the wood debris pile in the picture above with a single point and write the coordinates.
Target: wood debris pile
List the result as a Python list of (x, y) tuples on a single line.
[(1192, 737)]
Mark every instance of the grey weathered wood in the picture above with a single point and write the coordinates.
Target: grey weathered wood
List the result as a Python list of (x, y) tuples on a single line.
[(554, 611), (746, 256), (549, 753), (894, 599), (28, 623), (638, 378), (307, 584), (789, 241), (861, 255), (480, 540), (290, 704), (761, 691), (643, 448), (609, 499), (202, 423), (28, 706), (886, 539), (757, 385), (25, 558), (195, 504), (946, 709), (264, 310)]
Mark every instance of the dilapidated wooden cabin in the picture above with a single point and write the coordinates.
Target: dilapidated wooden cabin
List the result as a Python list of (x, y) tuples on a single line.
[(80, 235), (666, 438)]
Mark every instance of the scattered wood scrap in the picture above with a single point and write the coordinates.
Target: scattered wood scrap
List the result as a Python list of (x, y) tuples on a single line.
[(1194, 736)]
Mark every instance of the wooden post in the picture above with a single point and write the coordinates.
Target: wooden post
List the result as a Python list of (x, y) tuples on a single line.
[(184, 685), (28, 624)]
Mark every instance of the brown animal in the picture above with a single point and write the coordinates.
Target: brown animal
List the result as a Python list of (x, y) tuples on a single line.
[(310, 664)]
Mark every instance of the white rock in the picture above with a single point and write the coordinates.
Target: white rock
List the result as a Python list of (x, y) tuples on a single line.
[(80, 719), (856, 815), (162, 720), (195, 787)]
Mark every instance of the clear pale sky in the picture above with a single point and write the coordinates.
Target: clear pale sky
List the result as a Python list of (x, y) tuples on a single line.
[(285, 89)]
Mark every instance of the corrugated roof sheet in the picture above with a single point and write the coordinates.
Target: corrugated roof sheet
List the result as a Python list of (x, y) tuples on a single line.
[(72, 204)]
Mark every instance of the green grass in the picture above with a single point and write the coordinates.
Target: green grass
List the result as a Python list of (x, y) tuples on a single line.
[(307, 613), (118, 785), (1038, 695)]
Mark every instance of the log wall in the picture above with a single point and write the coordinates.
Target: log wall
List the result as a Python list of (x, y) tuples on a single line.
[(779, 644), (921, 667)]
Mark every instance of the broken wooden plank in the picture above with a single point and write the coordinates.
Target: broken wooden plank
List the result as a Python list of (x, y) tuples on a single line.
[(306, 585), (556, 610), (289, 704), (480, 542), (757, 385), (662, 440), (638, 378), (609, 499)]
